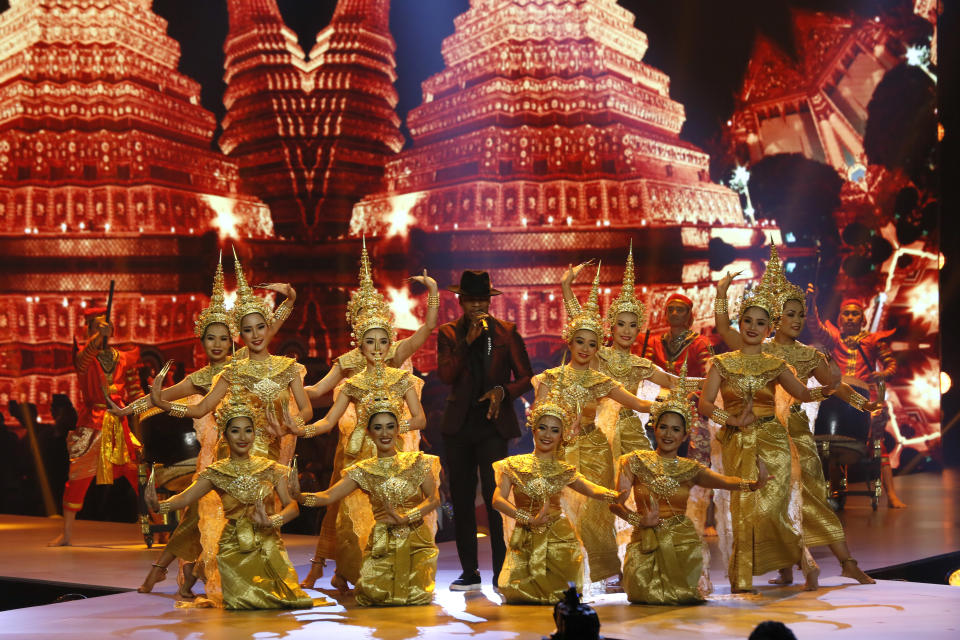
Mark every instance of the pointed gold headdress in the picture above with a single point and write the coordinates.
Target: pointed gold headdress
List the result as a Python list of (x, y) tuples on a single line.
[(380, 398), (627, 301), (239, 402), (554, 405), (217, 311), (247, 301), (676, 401), (775, 279), (367, 308), (588, 316)]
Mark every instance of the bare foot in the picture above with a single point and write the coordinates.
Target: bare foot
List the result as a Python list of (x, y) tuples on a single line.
[(784, 577), (155, 575), (315, 573), (340, 584), (812, 577), (851, 570), (60, 541), (895, 503), (184, 593)]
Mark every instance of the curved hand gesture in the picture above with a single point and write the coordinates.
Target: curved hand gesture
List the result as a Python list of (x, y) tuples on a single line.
[(725, 281), (150, 494), (650, 514), (543, 515), (746, 417), (293, 484), (573, 271), (426, 281), (258, 513), (113, 408), (157, 386), (762, 474), (280, 287), (392, 517)]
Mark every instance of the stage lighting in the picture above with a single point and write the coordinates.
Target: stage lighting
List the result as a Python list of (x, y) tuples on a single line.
[(954, 579)]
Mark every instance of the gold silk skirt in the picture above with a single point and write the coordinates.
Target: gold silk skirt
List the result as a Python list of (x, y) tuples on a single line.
[(821, 526), (664, 564), (540, 562), (766, 523), (255, 572), (632, 434), (184, 542), (399, 566), (590, 453)]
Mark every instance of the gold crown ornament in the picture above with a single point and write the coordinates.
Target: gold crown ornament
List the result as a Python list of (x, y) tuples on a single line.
[(627, 301), (216, 312), (676, 401), (554, 405), (379, 399), (588, 316), (247, 301), (367, 308), (238, 403), (774, 279)]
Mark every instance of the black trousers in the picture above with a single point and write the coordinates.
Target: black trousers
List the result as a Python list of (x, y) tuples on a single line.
[(465, 459)]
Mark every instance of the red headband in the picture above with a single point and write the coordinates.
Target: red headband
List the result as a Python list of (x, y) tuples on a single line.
[(92, 312), (679, 297), (852, 301)]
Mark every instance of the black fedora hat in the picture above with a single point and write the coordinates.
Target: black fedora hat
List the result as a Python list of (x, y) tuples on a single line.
[(474, 283)]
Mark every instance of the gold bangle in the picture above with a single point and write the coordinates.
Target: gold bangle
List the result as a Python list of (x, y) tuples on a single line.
[(816, 394), (310, 430), (164, 508), (299, 422), (282, 312), (178, 410), (720, 306), (634, 519), (276, 521), (404, 426), (720, 416), (522, 518), (744, 485), (413, 515), (857, 401), (141, 405), (610, 496), (433, 300), (309, 500)]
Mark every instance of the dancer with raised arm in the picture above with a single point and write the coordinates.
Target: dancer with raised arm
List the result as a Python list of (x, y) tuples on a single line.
[(821, 526), (666, 561), (399, 557), (543, 553), (767, 534)]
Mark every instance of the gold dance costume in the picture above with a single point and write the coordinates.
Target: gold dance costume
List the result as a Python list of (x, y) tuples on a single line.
[(628, 433), (254, 568), (821, 526), (664, 564), (540, 561), (590, 454), (766, 523), (399, 561)]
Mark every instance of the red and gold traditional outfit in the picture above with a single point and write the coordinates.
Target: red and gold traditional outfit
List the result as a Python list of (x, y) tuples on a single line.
[(104, 446)]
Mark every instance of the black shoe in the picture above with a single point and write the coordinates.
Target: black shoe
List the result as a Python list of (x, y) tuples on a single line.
[(466, 582)]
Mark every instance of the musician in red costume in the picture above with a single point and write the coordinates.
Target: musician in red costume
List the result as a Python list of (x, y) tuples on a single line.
[(670, 349), (848, 343), (102, 445)]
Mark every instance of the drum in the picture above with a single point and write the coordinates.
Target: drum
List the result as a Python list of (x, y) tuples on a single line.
[(837, 418), (840, 449)]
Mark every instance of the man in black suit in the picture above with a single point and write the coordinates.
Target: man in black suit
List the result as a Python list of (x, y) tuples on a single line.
[(486, 362)]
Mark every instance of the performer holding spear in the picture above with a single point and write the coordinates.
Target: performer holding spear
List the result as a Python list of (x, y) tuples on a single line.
[(102, 445)]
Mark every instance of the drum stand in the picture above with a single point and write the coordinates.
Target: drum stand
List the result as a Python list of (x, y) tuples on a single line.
[(838, 452)]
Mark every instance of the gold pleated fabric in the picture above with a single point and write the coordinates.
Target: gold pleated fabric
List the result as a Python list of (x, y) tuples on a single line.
[(664, 564), (633, 435), (540, 561), (399, 562), (821, 526), (766, 523), (184, 542)]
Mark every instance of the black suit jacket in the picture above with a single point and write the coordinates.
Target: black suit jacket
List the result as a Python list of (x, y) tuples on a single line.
[(509, 367)]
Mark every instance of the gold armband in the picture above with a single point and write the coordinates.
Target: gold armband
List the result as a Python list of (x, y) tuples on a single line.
[(816, 394), (522, 518), (857, 401), (282, 312), (164, 508), (299, 422), (433, 300), (745, 485), (720, 416), (276, 521), (635, 519), (309, 500), (310, 430), (404, 426), (413, 515), (141, 404), (178, 410), (720, 306)]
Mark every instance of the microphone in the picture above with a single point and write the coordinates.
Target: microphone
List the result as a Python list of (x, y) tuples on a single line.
[(483, 324)]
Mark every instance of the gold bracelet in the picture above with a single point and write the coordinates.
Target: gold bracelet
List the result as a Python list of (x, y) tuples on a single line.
[(178, 410), (404, 426), (816, 394), (634, 519), (433, 300), (522, 518), (309, 500), (610, 496), (413, 515), (720, 416), (744, 485), (282, 312), (276, 521), (299, 422), (720, 306), (164, 508), (857, 401), (310, 430), (141, 405)]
